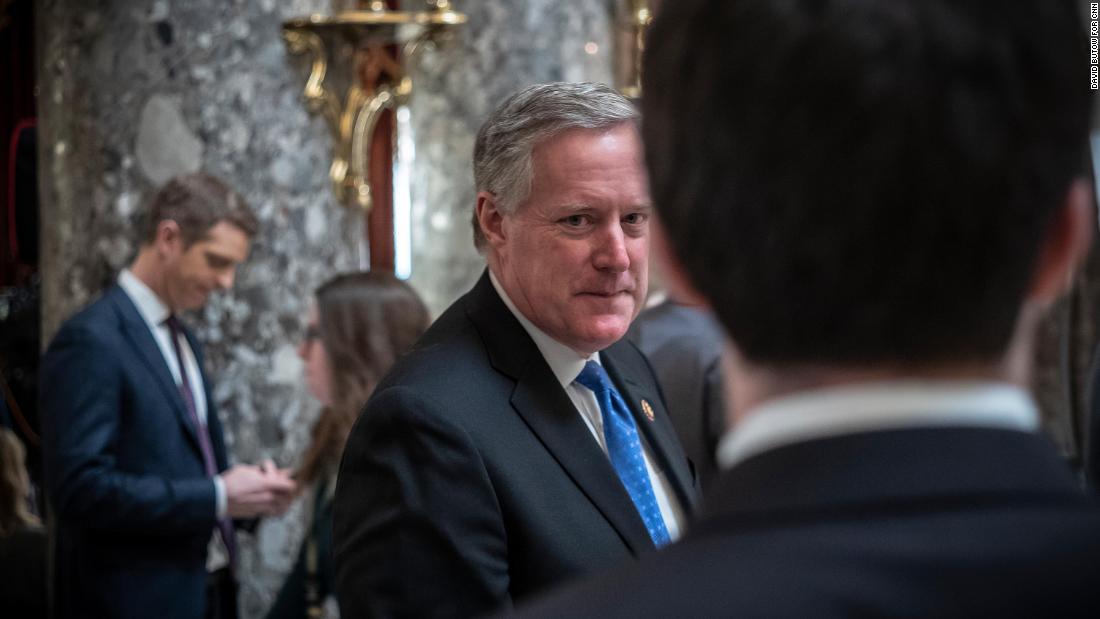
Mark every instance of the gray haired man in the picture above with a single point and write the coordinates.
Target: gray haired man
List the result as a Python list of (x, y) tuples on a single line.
[(521, 444)]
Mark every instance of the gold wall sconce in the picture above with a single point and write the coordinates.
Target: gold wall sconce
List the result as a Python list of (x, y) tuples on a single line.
[(359, 69), (632, 18)]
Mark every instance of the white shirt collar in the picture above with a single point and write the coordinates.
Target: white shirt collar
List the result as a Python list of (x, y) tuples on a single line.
[(149, 305), (564, 362), (877, 406)]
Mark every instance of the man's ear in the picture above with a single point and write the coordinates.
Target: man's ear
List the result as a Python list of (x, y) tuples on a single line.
[(168, 239), (490, 218), (677, 280), (1066, 245)]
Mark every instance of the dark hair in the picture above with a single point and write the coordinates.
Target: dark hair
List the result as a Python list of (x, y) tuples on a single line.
[(366, 321), (857, 181), (196, 202)]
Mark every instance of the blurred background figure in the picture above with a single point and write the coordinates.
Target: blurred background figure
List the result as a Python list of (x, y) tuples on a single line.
[(144, 504), (683, 343), (22, 539), (358, 325)]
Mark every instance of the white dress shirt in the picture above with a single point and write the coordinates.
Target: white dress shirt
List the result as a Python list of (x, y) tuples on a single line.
[(566, 365), (870, 407), (154, 312)]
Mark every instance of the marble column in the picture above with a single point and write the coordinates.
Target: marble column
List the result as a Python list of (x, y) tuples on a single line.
[(133, 92)]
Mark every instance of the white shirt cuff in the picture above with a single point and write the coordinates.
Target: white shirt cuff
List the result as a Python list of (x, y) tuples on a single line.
[(221, 507)]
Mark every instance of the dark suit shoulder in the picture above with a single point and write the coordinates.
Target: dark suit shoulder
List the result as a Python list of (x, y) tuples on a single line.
[(1003, 562), (450, 365), (97, 322), (677, 328)]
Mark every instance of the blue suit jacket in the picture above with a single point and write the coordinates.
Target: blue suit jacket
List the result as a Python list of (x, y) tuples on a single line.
[(131, 503)]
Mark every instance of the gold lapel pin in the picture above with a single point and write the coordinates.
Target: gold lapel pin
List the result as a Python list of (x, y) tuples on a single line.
[(647, 409)]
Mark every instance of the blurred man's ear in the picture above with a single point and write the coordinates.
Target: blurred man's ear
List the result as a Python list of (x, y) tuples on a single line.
[(490, 218), (168, 238), (676, 280), (1066, 245)]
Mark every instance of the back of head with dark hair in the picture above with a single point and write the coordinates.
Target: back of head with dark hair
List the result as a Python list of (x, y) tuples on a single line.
[(856, 181), (196, 202)]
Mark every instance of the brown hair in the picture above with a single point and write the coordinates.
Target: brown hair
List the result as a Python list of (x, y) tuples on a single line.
[(366, 321), (14, 513), (196, 202)]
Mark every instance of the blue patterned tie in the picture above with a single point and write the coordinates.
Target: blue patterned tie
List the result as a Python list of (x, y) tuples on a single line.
[(625, 449)]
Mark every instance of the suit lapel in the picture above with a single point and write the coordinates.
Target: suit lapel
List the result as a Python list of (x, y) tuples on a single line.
[(138, 334), (542, 403), (622, 363)]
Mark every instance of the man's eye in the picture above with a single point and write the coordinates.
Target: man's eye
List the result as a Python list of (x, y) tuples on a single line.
[(634, 218), (574, 220)]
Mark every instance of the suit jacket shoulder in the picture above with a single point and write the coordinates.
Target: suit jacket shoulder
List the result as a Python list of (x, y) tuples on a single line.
[(931, 522)]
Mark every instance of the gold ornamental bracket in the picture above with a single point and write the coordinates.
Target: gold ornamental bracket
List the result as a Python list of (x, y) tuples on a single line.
[(359, 68), (632, 20)]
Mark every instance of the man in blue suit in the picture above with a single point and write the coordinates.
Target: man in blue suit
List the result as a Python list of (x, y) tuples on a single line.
[(141, 492)]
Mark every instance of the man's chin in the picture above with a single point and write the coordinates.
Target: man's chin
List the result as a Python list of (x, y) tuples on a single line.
[(196, 302), (600, 338)]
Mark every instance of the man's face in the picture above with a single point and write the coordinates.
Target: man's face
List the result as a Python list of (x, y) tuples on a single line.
[(573, 257), (209, 264)]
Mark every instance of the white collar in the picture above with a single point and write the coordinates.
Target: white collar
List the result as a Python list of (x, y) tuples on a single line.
[(149, 305), (564, 362), (869, 407)]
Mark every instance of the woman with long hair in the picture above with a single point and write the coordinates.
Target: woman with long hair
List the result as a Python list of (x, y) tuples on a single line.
[(359, 324)]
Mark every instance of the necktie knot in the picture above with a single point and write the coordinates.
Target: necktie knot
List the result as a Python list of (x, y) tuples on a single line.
[(594, 377), (173, 324)]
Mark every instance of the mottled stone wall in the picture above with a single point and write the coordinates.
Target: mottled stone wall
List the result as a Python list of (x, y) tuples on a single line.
[(1065, 363), (136, 91)]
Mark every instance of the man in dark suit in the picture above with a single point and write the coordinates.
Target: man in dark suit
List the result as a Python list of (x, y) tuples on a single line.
[(139, 484), (879, 199), (684, 343), (520, 444)]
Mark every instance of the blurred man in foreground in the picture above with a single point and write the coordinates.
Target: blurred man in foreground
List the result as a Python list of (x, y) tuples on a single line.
[(879, 199)]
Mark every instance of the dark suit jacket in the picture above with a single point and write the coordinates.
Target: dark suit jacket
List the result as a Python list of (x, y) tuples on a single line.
[(131, 502), (23, 591), (906, 523), (684, 346), (471, 480), (292, 602), (1090, 441)]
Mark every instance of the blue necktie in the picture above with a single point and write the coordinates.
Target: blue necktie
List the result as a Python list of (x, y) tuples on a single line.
[(625, 449)]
